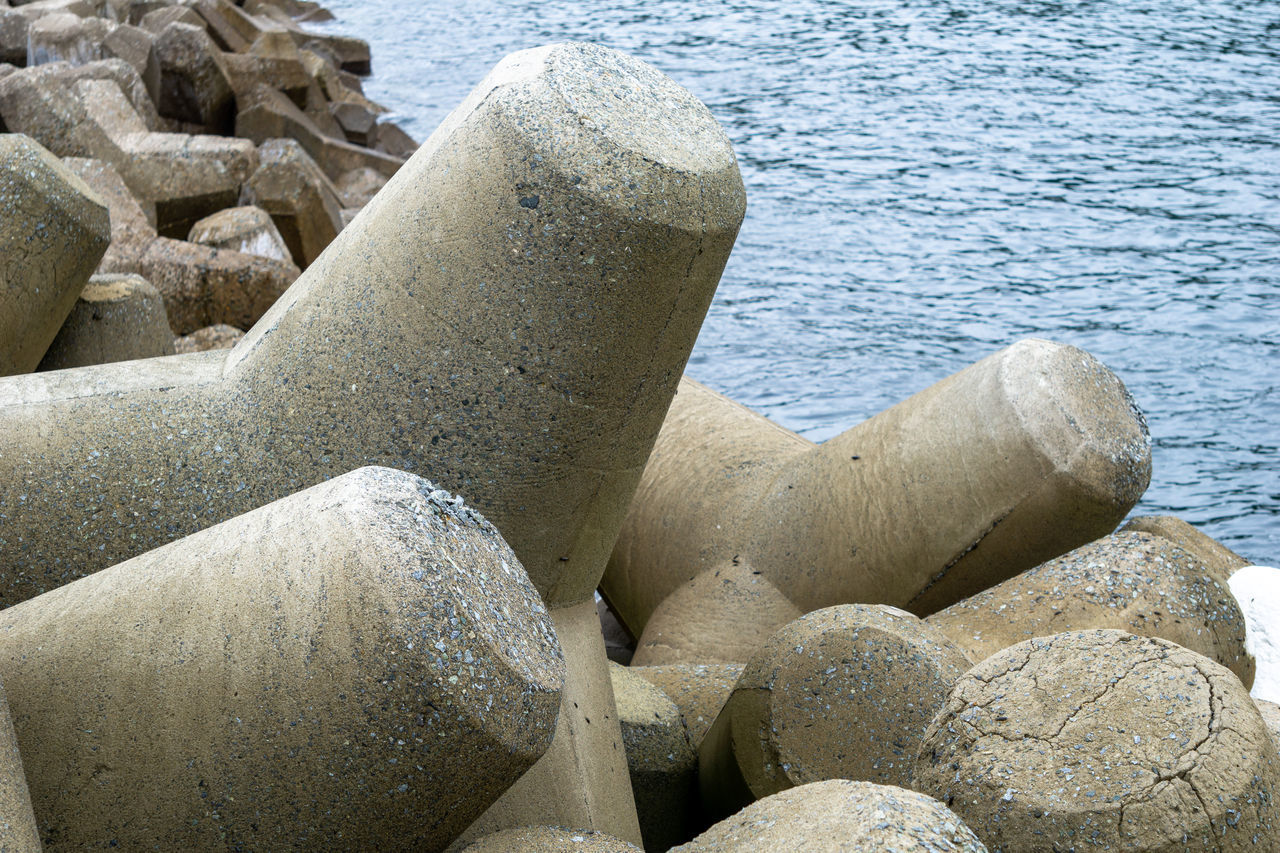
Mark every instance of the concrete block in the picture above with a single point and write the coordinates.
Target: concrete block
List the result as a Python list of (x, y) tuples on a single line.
[(548, 839), (363, 665), (13, 37), (203, 286), (132, 230), (220, 336), (116, 318), (194, 86), (245, 229), (63, 37), (357, 187), (357, 122), (35, 102), (137, 47), (1217, 558), (1131, 581), (18, 832), (1106, 740), (302, 201), (698, 690), (394, 141), (246, 72), (839, 815), (512, 313), (53, 231), (1039, 443), (123, 74), (845, 692), (662, 763), (156, 20)]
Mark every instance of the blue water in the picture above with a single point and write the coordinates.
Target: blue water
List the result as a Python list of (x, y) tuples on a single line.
[(931, 181)]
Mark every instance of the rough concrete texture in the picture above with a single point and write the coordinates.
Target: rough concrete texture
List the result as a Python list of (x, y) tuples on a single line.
[(116, 318), (618, 644), (122, 74), (583, 779), (1134, 582), (63, 37), (53, 231), (1257, 589), (1104, 740), (363, 665), (193, 84), (220, 336), (357, 187), (1040, 443), (18, 832), (300, 198), (393, 140), (35, 102), (13, 37), (662, 762), (839, 815), (1270, 712), (131, 229), (1218, 558), (137, 47), (841, 693), (246, 229), (548, 839), (698, 690), (721, 616)]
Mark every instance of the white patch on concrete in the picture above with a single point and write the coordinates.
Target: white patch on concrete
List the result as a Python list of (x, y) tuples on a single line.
[(1257, 588)]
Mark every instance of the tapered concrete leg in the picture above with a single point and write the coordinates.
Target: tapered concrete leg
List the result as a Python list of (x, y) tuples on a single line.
[(18, 831), (1014, 460), (583, 779), (363, 665)]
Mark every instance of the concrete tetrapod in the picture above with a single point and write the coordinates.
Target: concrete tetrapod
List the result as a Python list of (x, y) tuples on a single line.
[(363, 665), (839, 815), (1039, 443), (1133, 581), (53, 231), (510, 315), (841, 693), (548, 839), (18, 832), (1106, 741)]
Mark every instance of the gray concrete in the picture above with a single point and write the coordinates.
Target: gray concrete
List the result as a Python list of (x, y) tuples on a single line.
[(116, 318)]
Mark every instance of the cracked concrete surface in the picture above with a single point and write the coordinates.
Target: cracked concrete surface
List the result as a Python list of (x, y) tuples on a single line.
[(1107, 741)]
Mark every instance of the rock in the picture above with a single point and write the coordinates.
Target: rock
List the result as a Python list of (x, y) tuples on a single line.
[(220, 336), (698, 690), (839, 815), (53, 231), (1040, 443), (1132, 581), (302, 201), (203, 286), (1106, 740), (841, 693), (63, 37), (548, 839), (193, 84), (245, 229), (116, 318), (660, 759), (1257, 589), (287, 679), (446, 330)]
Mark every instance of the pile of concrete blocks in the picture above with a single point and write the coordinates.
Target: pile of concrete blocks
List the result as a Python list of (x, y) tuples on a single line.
[(352, 579), (174, 112)]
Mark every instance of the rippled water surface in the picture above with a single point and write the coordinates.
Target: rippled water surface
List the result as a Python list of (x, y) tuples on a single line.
[(931, 181)]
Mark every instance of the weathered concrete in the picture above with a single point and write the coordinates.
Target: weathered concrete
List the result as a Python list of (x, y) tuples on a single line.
[(841, 693), (18, 832), (548, 839), (662, 763), (116, 318), (137, 47), (1134, 582), (219, 336), (193, 84), (698, 690), (1039, 443), (132, 230), (63, 37), (300, 198), (1270, 712), (53, 231), (246, 229), (1218, 558), (839, 815), (357, 187), (511, 314), (1103, 740), (363, 665)]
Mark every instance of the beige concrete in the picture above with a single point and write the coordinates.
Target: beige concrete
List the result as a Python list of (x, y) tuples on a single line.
[(300, 198), (194, 86), (698, 690), (137, 47), (1014, 460), (246, 229), (1218, 558), (1270, 712), (53, 230), (116, 318), (511, 314), (583, 779), (548, 839), (219, 336), (841, 693), (1132, 581), (131, 228), (362, 665), (662, 763), (18, 832), (840, 816), (1103, 740)]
